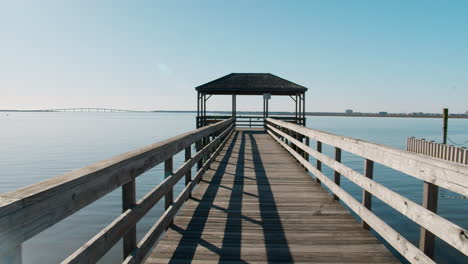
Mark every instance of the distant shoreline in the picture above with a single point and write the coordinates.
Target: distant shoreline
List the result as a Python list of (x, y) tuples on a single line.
[(338, 114)]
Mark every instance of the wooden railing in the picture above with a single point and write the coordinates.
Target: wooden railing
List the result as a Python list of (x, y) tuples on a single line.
[(247, 120), (437, 150), (26, 212), (445, 174)]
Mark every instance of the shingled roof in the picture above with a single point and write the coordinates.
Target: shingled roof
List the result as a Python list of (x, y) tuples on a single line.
[(251, 84)]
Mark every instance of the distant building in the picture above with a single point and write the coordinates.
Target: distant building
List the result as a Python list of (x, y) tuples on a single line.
[(350, 111)]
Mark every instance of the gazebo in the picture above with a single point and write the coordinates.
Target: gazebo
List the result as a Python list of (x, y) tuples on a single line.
[(264, 84)]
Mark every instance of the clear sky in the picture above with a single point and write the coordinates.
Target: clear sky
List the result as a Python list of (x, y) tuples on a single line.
[(396, 56)]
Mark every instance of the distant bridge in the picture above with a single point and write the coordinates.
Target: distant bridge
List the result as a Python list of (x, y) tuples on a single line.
[(89, 109)]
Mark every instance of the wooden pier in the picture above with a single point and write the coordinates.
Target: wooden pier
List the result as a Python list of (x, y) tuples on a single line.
[(257, 204), (256, 195)]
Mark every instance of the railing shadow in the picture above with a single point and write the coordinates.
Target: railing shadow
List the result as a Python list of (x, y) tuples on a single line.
[(191, 236), (230, 249), (233, 230), (276, 244)]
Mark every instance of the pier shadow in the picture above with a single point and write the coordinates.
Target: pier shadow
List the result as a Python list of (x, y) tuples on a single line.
[(233, 230), (191, 236), (276, 244), (230, 248)]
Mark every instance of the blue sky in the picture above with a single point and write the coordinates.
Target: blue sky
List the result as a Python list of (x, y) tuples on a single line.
[(396, 56)]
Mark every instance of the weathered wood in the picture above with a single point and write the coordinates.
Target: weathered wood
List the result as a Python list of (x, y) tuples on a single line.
[(450, 176), (188, 156), (408, 250), (366, 196), (30, 210), (445, 117), (426, 238), (128, 202), (257, 205), (152, 236), (168, 167), (95, 248), (444, 229), (336, 173), (208, 154), (198, 147), (319, 163)]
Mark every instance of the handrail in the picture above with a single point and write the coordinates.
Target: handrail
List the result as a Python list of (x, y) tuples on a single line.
[(253, 120), (448, 175), (28, 211), (397, 159)]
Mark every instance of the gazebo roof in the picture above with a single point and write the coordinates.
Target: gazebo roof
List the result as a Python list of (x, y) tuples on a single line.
[(251, 84)]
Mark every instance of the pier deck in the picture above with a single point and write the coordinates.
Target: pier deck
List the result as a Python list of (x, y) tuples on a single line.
[(257, 204)]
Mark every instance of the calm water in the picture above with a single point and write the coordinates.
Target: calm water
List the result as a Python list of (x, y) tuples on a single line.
[(36, 146)]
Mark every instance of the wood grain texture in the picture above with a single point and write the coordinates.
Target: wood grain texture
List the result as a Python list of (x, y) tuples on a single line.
[(96, 247), (448, 175), (444, 229), (128, 202), (401, 244), (366, 196), (256, 204), (154, 234)]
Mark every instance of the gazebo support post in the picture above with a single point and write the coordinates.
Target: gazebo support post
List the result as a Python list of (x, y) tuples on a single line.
[(234, 106), (204, 110), (303, 110), (295, 113), (198, 110)]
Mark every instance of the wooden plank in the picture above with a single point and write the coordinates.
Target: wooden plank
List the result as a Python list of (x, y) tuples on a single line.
[(319, 163), (168, 167), (152, 236), (426, 238), (257, 205), (444, 229), (336, 173), (128, 202), (448, 175), (408, 250), (366, 196), (188, 156), (95, 248)]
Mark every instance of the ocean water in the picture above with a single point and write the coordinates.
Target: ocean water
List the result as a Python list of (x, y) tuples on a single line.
[(37, 146)]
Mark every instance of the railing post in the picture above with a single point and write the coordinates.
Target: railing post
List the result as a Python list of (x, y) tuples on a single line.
[(128, 202), (198, 147), (188, 156), (366, 196), (300, 138), (307, 139), (337, 174), (169, 199), (426, 238), (204, 142), (208, 153), (319, 163)]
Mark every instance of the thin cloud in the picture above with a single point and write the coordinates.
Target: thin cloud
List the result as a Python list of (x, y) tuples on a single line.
[(164, 69)]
